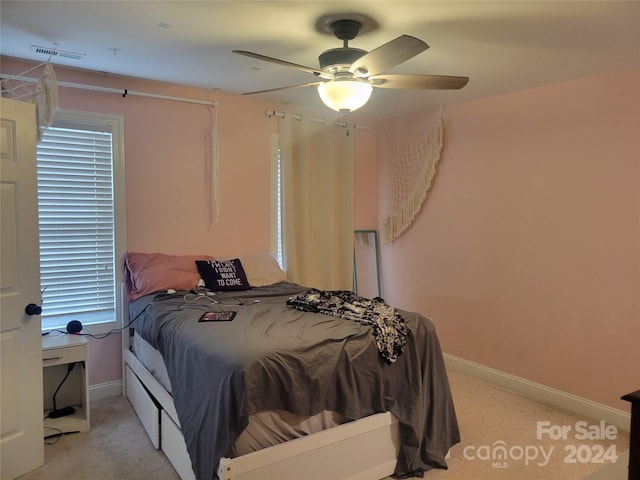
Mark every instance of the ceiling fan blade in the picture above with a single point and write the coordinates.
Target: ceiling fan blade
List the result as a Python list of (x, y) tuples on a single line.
[(284, 63), (388, 55), (283, 88), (419, 82)]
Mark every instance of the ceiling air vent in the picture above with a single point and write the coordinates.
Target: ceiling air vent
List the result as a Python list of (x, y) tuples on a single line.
[(54, 52)]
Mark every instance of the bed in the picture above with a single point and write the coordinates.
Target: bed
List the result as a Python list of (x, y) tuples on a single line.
[(286, 388)]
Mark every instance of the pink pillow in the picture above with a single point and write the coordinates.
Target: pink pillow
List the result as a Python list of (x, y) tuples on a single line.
[(153, 272)]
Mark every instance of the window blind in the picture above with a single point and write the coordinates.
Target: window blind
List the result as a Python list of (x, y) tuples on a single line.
[(76, 217)]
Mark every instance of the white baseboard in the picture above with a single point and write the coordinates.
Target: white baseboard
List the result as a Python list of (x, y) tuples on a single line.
[(101, 391), (542, 393)]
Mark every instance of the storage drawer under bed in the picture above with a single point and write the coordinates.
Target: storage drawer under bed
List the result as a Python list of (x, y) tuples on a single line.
[(146, 409), (161, 429), (174, 447)]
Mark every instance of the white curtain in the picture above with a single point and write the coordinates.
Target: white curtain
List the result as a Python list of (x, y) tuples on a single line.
[(318, 198)]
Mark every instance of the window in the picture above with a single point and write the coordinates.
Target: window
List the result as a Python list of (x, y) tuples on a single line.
[(81, 219)]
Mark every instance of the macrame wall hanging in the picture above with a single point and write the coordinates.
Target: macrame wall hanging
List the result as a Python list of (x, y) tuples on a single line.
[(212, 166), (410, 170), (45, 96), (43, 93)]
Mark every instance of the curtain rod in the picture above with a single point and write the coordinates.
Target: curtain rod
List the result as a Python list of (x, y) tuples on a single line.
[(124, 92), (323, 121)]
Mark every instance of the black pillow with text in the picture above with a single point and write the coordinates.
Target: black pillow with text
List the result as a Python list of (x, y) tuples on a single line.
[(223, 275)]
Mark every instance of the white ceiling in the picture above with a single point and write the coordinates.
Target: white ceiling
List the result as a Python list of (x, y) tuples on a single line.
[(502, 46)]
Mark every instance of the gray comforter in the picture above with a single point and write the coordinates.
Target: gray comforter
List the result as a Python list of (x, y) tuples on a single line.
[(273, 357)]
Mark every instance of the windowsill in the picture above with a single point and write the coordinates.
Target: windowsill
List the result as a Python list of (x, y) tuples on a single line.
[(95, 323), (92, 329)]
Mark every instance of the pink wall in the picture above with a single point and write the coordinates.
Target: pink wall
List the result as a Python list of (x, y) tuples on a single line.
[(105, 359), (166, 157), (527, 252)]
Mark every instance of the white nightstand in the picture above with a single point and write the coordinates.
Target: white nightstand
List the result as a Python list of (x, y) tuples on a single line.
[(58, 353)]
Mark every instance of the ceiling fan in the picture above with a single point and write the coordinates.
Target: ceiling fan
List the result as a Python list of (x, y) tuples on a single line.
[(348, 74)]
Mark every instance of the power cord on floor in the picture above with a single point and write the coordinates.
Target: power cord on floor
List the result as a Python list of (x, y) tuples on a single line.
[(63, 412), (58, 434)]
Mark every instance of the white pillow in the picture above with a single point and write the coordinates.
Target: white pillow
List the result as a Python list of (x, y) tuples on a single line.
[(261, 269)]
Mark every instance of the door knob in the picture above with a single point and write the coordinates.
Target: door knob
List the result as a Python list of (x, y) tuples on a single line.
[(33, 309)]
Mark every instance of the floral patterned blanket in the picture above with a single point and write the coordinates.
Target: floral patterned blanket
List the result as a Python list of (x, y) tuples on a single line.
[(389, 329)]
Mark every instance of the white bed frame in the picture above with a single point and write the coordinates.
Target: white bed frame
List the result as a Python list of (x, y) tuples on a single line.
[(365, 449)]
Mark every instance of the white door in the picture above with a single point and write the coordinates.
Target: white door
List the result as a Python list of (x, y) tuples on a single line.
[(21, 404)]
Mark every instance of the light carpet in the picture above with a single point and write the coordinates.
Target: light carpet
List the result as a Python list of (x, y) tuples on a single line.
[(117, 448)]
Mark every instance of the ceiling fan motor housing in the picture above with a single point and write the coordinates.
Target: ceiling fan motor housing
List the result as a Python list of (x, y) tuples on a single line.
[(340, 56)]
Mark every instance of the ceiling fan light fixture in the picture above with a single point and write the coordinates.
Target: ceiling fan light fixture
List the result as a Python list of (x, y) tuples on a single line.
[(345, 95)]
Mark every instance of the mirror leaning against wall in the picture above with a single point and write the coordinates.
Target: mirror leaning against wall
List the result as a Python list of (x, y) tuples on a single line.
[(366, 264)]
